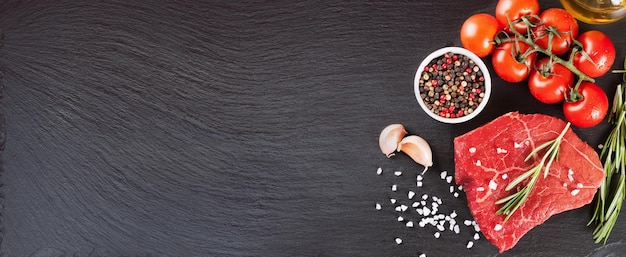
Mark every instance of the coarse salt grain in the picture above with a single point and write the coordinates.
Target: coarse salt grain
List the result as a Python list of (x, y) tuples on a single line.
[(516, 145), (457, 229), (498, 227), (419, 184), (470, 244), (580, 185), (398, 208), (600, 146), (493, 185), (424, 196), (398, 240), (564, 184), (379, 171), (411, 194), (400, 218), (437, 234), (480, 189), (501, 150), (575, 192), (505, 176), (419, 177), (467, 223), (453, 214), (476, 236), (472, 149), (415, 204), (409, 224), (422, 255), (397, 173), (456, 194), (378, 207), (404, 207), (478, 163), (443, 174), (449, 179), (394, 188), (451, 189), (393, 201)]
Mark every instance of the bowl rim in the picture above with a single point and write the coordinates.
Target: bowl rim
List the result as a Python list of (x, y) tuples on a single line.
[(456, 50)]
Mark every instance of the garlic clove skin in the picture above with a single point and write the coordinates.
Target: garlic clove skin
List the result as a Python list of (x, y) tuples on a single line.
[(390, 137), (418, 149)]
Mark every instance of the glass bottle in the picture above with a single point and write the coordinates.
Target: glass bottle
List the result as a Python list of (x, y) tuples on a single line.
[(596, 11)]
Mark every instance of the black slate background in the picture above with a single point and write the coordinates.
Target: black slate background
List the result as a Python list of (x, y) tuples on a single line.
[(179, 128)]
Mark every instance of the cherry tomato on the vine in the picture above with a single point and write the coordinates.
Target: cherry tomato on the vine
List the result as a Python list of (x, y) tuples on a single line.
[(477, 33), (550, 89), (515, 10), (601, 50), (559, 21), (512, 62), (590, 110)]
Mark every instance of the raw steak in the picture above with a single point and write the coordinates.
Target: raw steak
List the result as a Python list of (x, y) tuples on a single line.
[(489, 157)]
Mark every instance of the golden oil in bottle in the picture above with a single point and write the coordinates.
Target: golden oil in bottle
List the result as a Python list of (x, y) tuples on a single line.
[(596, 11)]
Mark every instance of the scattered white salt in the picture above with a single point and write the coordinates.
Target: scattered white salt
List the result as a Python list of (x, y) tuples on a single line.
[(409, 224), (505, 176), (437, 234), (457, 229), (451, 189), (493, 185), (498, 227), (467, 223), (570, 174), (424, 196), (378, 207), (600, 146), (419, 184), (441, 227), (394, 188), (575, 192), (404, 207), (393, 201), (426, 211), (516, 145), (420, 211), (472, 149), (478, 163), (422, 255), (456, 194), (400, 218), (397, 173), (564, 184), (398, 208), (470, 244), (449, 179), (501, 150), (580, 185), (422, 223), (423, 202), (398, 240), (379, 171), (443, 174), (453, 214), (419, 177), (480, 189), (411, 194), (476, 236)]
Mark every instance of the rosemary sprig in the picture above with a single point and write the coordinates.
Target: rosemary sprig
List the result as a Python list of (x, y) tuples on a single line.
[(611, 194), (514, 201)]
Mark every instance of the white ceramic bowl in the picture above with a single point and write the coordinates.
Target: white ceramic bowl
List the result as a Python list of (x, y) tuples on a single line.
[(472, 56)]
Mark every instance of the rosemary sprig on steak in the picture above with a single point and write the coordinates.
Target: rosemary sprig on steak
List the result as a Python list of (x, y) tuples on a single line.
[(514, 201), (613, 189)]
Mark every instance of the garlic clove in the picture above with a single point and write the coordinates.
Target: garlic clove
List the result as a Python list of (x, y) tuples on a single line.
[(418, 149), (390, 137)]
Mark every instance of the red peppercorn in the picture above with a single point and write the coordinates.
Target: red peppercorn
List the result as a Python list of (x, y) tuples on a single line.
[(460, 112), (478, 91), (468, 70), (444, 66), (434, 83)]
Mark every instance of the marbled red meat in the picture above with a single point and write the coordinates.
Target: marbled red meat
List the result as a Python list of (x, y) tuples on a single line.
[(489, 157)]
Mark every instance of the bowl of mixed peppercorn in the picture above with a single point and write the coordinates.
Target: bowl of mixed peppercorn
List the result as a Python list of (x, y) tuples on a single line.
[(452, 85)]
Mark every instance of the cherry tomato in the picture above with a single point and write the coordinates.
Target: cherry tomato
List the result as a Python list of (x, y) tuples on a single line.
[(550, 89), (590, 110), (511, 61), (556, 20), (515, 10), (601, 50), (477, 33)]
